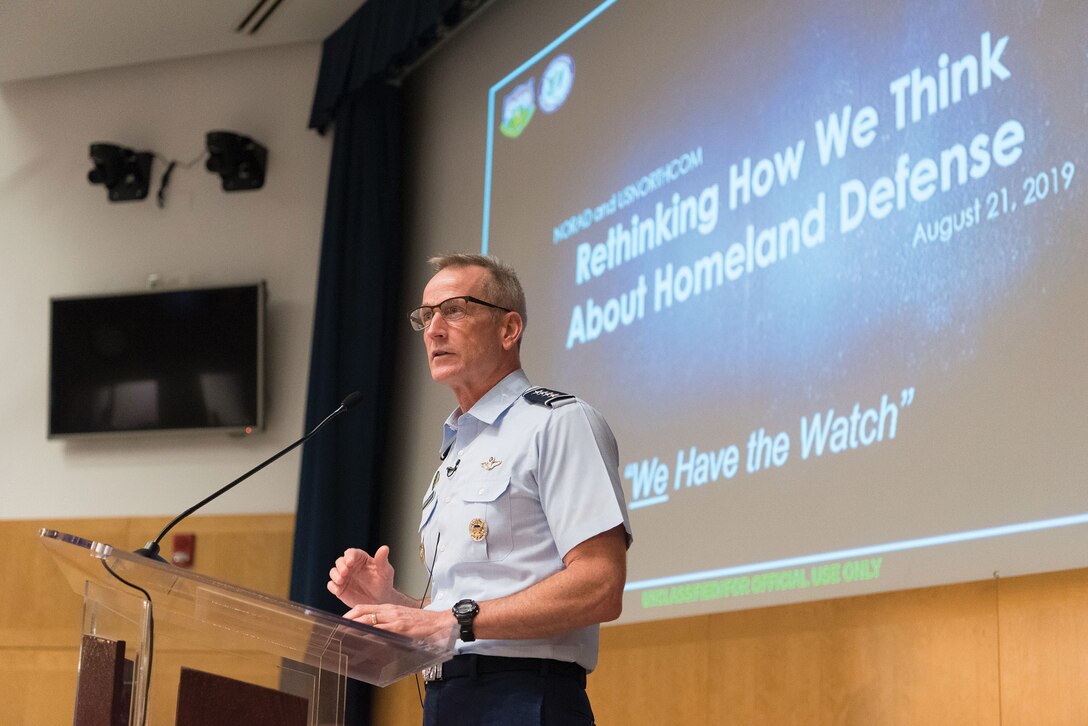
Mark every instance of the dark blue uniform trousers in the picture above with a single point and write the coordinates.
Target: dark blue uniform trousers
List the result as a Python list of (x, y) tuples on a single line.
[(538, 697)]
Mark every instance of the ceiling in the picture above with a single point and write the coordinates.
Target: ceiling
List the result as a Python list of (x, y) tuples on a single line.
[(41, 38)]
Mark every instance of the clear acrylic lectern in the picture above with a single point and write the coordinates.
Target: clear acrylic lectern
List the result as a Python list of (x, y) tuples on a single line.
[(171, 622)]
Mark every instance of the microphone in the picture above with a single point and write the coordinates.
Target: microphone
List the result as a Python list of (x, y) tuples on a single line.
[(151, 549)]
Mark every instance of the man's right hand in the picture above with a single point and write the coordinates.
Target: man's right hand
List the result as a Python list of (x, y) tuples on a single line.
[(358, 578)]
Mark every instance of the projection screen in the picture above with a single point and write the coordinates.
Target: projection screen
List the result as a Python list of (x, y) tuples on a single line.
[(820, 265)]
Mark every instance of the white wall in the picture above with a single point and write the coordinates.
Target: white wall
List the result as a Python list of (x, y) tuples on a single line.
[(60, 236)]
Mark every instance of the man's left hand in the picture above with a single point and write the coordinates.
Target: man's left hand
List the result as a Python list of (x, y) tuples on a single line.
[(429, 625)]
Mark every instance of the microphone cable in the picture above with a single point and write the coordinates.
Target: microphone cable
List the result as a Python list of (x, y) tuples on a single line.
[(430, 576), (150, 638)]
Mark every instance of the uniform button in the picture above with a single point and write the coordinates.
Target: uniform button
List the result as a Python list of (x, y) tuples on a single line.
[(459, 453), (447, 500), (441, 548), (438, 596), (481, 491)]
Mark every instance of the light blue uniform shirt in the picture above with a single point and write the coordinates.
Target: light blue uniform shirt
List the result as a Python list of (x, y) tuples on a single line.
[(542, 480)]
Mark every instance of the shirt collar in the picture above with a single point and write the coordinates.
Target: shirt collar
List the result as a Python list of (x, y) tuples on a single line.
[(488, 409)]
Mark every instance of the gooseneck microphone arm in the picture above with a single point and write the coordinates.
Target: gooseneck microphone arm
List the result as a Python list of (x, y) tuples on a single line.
[(151, 549)]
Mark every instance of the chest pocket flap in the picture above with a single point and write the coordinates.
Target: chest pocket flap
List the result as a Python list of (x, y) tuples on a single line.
[(485, 498)]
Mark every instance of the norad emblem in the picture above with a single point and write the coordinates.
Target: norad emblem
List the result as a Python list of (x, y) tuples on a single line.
[(556, 83), (517, 109)]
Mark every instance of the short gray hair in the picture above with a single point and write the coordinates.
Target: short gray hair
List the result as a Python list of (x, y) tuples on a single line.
[(501, 286)]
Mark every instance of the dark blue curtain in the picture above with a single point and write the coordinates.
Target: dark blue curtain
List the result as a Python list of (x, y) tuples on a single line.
[(358, 306), (352, 348)]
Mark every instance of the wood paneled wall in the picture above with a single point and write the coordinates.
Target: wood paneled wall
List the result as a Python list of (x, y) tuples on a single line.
[(1010, 652), (40, 615)]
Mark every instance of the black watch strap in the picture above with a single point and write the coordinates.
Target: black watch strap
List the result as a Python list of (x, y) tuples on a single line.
[(465, 611)]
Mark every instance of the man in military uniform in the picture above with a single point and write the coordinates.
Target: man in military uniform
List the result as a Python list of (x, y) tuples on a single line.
[(524, 524)]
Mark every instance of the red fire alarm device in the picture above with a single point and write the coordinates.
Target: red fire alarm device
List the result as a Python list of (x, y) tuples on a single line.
[(184, 545)]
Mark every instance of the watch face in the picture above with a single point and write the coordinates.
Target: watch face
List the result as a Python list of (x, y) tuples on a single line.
[(466, 607)]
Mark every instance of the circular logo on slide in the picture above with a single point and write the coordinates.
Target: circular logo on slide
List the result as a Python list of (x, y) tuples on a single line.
[(556, 83)]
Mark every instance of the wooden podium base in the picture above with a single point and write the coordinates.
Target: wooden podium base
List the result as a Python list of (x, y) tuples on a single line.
[(205, 699)]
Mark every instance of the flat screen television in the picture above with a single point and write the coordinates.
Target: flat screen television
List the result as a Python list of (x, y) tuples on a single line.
[(173, 360)]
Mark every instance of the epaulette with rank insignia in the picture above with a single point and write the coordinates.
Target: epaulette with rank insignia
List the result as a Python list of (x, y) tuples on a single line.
[(547, 397)]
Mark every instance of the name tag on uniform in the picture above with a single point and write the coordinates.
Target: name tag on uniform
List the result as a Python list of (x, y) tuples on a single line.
[(429, 495), (430, 500)]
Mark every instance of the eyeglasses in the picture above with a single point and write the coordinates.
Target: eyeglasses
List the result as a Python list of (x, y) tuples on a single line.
[(452, 309)]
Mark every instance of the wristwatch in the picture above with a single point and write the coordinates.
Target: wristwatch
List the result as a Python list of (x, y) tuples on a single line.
[(465, 611)]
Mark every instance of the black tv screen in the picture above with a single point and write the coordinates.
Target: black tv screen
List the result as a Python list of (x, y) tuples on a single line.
[(157, 361)]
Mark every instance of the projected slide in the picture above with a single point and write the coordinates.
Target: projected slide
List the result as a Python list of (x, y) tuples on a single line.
[(823, 268)]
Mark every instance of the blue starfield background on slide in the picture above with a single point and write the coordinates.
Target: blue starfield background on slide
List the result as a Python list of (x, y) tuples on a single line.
[(822, 268)]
